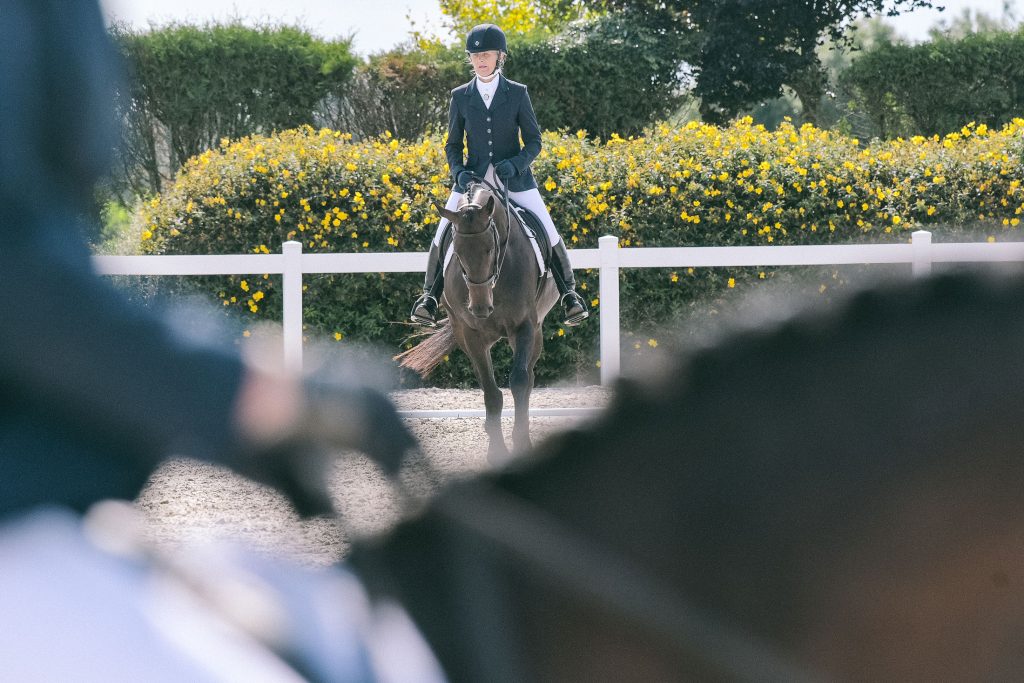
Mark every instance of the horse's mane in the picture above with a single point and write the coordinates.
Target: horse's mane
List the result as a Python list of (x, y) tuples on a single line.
[(803, 436), (752, 472)]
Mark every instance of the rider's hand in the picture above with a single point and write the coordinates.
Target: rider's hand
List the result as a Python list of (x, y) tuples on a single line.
[(464, 179), (291, 432), (505, 169)]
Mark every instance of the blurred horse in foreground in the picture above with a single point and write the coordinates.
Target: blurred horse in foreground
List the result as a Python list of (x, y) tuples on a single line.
[(834, 497)]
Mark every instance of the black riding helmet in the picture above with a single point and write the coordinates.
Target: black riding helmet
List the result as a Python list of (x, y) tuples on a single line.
[(484, 37)]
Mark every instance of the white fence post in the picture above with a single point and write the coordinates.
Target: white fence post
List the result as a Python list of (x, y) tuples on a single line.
[(608, 249), (292, 292), (921, 245)]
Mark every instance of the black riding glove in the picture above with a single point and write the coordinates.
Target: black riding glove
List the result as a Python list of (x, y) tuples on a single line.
[(463, 180), (505, 169)]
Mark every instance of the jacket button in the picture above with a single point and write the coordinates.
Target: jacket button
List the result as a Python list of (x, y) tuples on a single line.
[(488, 118), (490, 142), (488, 130), (490, 154)]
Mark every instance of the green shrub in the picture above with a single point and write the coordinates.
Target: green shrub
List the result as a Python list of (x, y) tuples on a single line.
[(191, 86), (404, 91), (698, 185), (612, 74), (942, 85)]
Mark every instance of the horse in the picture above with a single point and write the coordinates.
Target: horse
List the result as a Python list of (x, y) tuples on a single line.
[(835, 496), (494, 289)]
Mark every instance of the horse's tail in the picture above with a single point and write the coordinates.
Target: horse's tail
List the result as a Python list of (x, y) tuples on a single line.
[(429, 353)]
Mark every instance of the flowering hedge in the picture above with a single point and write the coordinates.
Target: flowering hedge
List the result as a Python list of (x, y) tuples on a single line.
[(696, 185)]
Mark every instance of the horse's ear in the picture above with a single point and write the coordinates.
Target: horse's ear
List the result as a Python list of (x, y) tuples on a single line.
[(490, 205), (450, 215)]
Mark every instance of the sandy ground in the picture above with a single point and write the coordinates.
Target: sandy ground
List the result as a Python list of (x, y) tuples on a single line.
[(187, 501)]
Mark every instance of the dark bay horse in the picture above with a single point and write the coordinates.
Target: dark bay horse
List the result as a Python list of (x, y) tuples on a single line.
[(838, 496), (493, 289)]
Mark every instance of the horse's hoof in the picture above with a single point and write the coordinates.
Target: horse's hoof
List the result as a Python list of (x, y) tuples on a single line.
[(521, 446), (498, 456)]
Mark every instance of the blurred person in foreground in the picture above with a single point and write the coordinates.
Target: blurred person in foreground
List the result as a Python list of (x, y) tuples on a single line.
[(95, 393)]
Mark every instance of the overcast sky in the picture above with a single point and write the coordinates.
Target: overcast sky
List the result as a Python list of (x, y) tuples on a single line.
[(380, 24)]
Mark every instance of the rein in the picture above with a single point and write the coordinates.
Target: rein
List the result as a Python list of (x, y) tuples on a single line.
[(608, 580), (500, 250)]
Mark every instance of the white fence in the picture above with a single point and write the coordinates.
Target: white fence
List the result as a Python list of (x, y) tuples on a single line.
[(608, 258)]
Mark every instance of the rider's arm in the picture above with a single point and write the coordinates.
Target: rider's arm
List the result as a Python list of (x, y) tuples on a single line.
[(530, 131), (455, 144), (71, 347)]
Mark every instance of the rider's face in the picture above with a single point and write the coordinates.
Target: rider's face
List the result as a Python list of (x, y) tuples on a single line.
[(484, 63)]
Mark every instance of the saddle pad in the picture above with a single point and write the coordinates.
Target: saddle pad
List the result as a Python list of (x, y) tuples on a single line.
[(535, 231)]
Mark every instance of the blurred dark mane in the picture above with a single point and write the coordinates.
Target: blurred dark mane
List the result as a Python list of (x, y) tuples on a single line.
[(755, 477)]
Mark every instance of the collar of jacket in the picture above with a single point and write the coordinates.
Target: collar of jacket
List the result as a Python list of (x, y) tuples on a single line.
[(500, 94)]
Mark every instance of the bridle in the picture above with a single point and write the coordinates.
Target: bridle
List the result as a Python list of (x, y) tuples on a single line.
[(500, 250)]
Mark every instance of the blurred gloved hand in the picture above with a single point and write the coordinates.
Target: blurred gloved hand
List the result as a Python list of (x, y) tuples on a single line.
[(463, 180), (505, 169), (295, 455)]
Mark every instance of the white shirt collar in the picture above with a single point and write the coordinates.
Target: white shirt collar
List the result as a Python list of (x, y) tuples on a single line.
[(487, 90)]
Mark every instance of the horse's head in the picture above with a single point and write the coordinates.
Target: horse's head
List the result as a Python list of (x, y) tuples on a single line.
[(477, 244)]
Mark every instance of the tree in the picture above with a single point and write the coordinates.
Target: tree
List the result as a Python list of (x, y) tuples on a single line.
[(515, 16), (748, 49)]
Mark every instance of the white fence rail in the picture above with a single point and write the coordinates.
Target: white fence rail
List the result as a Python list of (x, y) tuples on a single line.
[(608, 258)]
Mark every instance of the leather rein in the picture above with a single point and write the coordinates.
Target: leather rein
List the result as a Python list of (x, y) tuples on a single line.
[(500, 250)]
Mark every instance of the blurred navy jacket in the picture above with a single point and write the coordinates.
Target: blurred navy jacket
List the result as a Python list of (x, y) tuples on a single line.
[(93, 392)]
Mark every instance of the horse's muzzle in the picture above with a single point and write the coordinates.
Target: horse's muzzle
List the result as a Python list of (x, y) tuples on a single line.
[(481, 311)]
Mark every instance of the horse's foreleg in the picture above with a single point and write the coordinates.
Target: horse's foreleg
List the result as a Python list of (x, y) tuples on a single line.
[(526, 345), (480, 357)]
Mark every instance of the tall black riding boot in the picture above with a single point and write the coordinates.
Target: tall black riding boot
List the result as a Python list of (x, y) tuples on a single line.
[(574, 309), (424, 311)]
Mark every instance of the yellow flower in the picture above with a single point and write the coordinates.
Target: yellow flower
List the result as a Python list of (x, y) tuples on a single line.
[(653, 343), (244, 285), (338, 336), (732, 282)]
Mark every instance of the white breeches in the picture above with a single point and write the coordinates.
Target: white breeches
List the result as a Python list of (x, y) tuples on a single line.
[(530, 199)]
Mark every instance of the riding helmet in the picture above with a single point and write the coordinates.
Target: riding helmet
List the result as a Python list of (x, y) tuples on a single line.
[(484, 37)]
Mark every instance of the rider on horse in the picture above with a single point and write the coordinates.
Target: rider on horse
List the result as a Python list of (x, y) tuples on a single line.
[(488, 114)]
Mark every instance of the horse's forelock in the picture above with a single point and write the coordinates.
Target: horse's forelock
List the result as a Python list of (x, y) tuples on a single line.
[(473, 202), (477, 195)]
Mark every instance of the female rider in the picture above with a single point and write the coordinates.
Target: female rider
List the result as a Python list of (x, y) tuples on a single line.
[(488, 114)]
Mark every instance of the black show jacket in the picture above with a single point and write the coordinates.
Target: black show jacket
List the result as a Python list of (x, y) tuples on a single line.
[(492, 135)]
